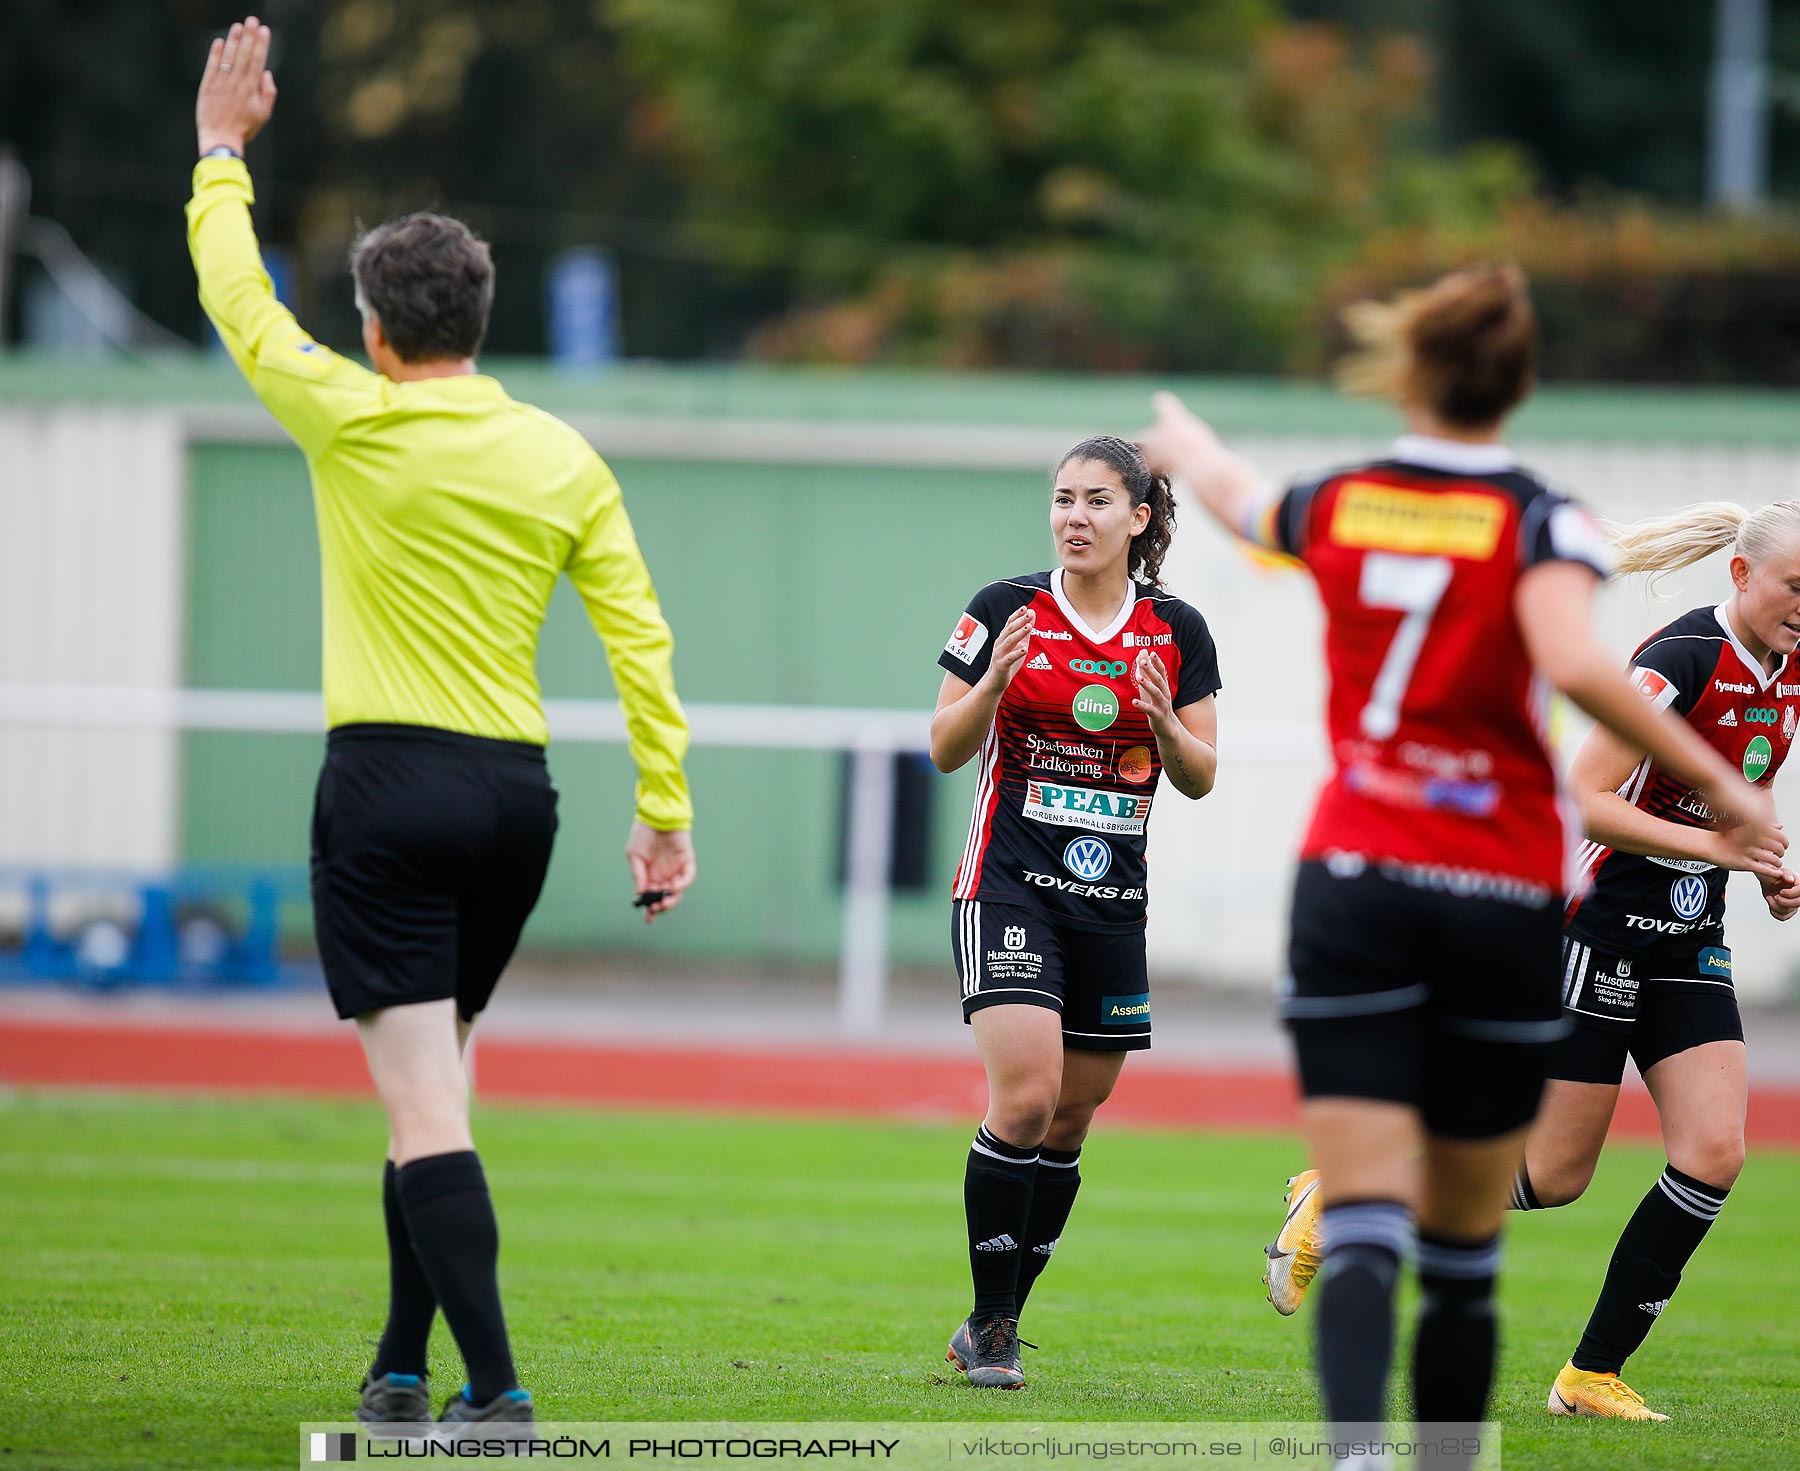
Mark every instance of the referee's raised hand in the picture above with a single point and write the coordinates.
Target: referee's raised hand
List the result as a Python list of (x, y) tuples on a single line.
[(237, 90), (662, 866)]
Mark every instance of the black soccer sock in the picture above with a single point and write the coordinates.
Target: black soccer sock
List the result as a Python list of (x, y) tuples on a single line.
[(1364, 1241), (450, 1218), (1524, 1198), (1052, 1198), (1646, 1266), (1453, 1353), (411, 1305), (997, 1185)]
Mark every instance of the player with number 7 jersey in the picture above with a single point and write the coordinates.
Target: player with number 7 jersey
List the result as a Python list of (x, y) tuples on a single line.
[(1422, 989)]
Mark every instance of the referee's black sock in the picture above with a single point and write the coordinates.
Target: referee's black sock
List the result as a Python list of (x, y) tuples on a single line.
[(1646, 1266), (1453, 1354), (1364, 1242), (997, 1185), (1052, 1198), (411, 1305), (451, 1221)]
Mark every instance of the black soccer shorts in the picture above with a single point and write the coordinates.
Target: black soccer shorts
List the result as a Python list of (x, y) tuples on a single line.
[(429, 850), (1095, 979), (1647, 1006), (1406, 987)]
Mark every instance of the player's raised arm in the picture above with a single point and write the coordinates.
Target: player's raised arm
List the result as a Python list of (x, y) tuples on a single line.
[(1184, 447), (306, 386)]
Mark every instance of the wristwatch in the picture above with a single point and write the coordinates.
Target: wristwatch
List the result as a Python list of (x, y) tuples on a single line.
[(221, 150)]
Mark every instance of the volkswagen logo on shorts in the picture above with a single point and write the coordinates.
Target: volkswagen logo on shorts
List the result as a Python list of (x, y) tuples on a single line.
[(1087, 858), (1687, 896), (1015, 937)]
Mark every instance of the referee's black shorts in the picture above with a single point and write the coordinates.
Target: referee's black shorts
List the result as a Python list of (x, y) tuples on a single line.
[(1417, 987), (429, 850)]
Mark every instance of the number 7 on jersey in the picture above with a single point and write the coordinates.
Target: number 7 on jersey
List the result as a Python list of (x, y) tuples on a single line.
[(1413, 586)]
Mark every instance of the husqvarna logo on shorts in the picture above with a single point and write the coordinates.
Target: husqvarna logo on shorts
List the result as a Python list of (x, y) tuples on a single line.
[(1687, 896), (1087, 858), (1014, 938)]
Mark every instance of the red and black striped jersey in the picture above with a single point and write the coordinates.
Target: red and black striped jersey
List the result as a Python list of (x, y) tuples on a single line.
[(1437, 719), (1067, 774), (1697, 668)]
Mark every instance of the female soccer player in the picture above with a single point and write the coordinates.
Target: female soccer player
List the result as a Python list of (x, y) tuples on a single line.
[(1646, 970), (1078, 687), (1422, 996)]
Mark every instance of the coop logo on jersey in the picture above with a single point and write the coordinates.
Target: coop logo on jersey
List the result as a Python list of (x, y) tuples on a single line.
[(1095, 707), (1687, 897), (1761, 715), (1654, 687), (1101, 812), (1111, 668), (1757, 756), (1087, 859), (967, 638)]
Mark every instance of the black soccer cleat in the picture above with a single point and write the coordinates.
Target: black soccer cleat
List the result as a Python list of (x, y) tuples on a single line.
[(394, 1400), (993, 1359), (509, 1414)]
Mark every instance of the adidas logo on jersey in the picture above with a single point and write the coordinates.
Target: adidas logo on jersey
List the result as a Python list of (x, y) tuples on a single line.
[(1654, 1309), (998, 1243), (1046, 1248), (1039, 662), (1728, 718)]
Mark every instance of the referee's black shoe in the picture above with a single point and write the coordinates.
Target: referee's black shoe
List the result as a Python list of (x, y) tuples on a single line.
[(394, 1400), (989, 1351)]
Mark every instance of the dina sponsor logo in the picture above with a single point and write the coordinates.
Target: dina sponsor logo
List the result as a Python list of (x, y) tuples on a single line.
[(1095, 707), (1757, 756)]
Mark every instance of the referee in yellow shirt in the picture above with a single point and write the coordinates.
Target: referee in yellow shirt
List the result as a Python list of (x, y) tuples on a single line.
[(446, 514)]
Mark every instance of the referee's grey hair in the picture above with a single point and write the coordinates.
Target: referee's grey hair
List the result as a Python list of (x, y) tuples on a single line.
[(429, 280), (1661, 544)]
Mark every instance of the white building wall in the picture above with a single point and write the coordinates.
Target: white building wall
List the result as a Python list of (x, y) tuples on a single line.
[(92, 546)]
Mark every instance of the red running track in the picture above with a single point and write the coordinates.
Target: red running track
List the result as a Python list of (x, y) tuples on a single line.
[(824, 1082)]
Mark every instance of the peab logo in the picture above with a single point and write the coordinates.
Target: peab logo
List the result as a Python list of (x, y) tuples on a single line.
[(1095, 707), (1687, 896), (1087, 858)]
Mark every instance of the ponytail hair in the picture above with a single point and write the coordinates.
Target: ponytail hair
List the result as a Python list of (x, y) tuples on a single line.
[(1462, 347), (1145, 487), (1661, 544)]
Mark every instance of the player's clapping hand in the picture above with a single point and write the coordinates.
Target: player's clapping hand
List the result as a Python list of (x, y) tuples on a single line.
[(662, 867), (237, 90), (1781, 894), (1154, 696), (1010, 649), (1755, 840)]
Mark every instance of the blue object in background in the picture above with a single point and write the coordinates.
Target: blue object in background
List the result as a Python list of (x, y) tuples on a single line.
[(581, 302)]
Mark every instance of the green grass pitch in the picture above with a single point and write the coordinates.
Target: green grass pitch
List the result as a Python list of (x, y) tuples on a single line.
[(187, 1279)]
